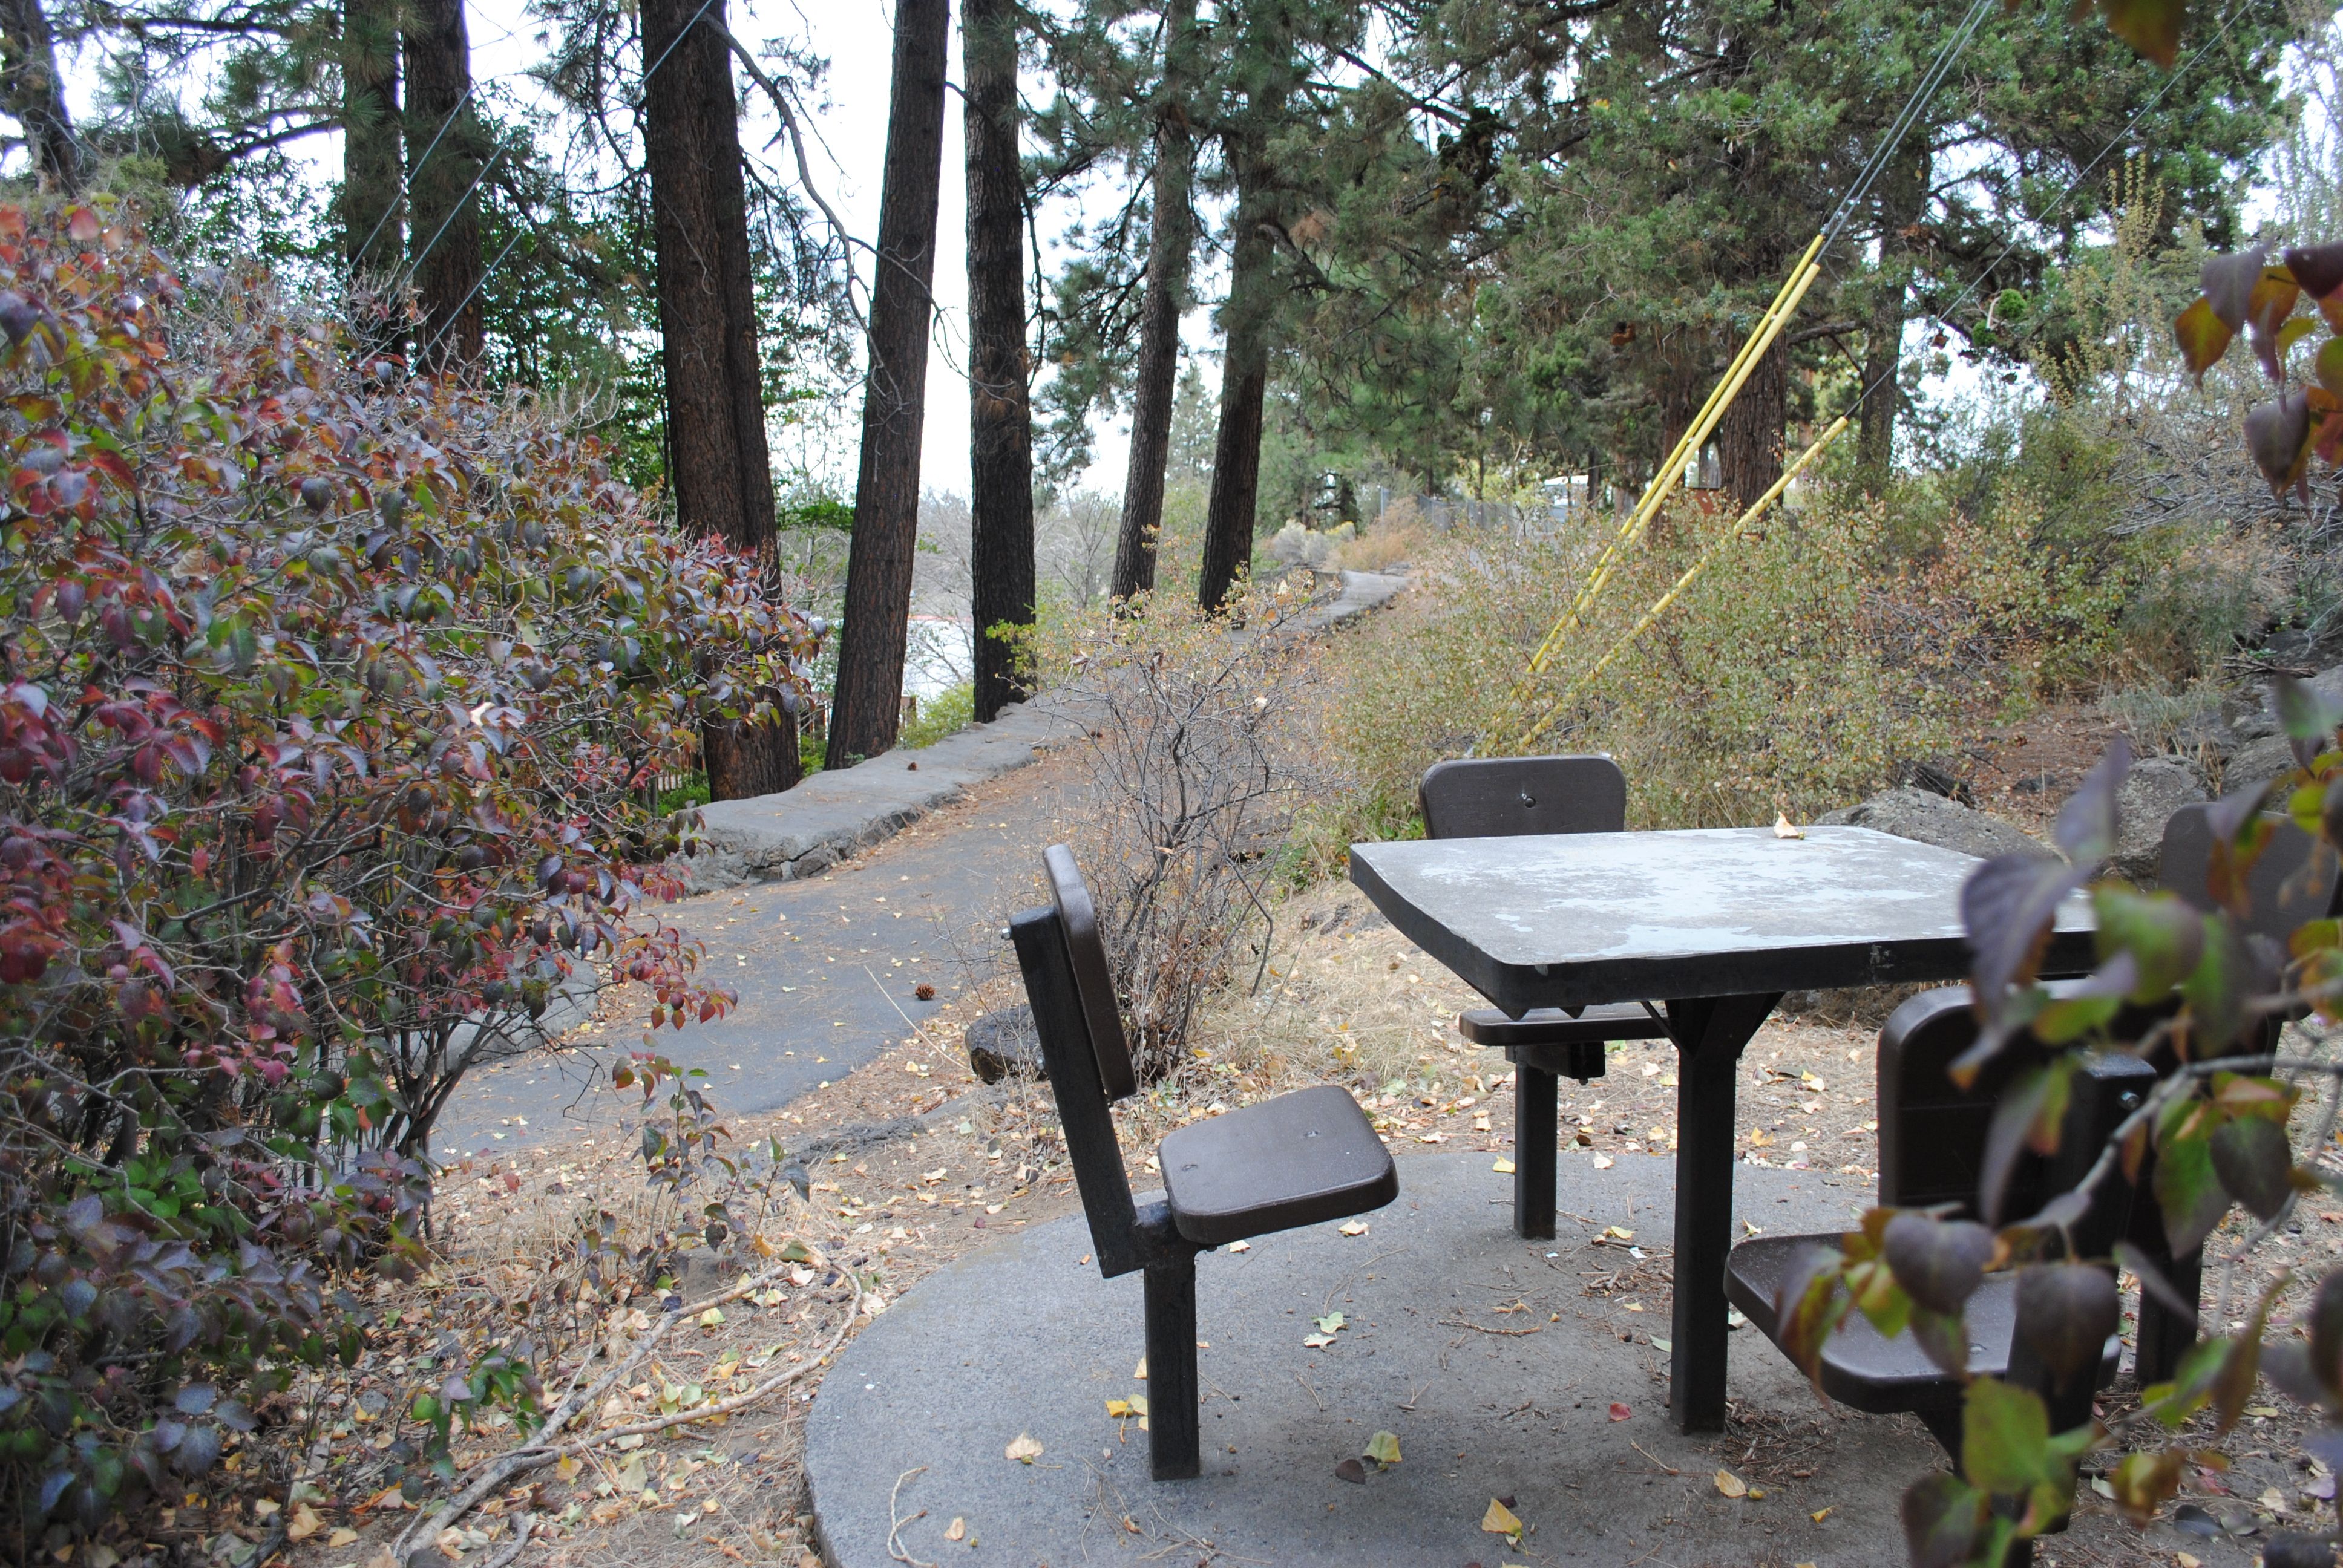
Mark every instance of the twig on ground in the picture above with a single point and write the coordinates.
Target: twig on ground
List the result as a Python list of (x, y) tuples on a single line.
[(539, 1451), (512, 1549), (1662, 1463), (894, 1522), (1509, 1333)]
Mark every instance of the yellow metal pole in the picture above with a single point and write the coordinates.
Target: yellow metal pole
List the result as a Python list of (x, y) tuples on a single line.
[(1748, 520), (1761, 339)]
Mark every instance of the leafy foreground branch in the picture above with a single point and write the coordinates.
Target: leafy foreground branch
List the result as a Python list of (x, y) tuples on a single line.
[(2203, 995)]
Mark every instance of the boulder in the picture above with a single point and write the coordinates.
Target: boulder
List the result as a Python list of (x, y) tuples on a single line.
[(2155, 787), (1930, 819), (1004, 1044), (2258, 762)]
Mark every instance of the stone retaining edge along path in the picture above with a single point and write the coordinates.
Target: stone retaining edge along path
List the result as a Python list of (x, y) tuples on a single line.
[(804, 831)]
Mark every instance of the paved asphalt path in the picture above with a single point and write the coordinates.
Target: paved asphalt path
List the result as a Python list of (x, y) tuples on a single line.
[(821, 968)]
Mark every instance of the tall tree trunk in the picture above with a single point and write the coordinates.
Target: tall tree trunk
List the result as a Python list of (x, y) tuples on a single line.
[(1749, 437), (1172, 242), (718, 464), (867, 706), (1244, 381), (32, 90), (1000, 416), (374, 226), (1903, 202), (444, 153)]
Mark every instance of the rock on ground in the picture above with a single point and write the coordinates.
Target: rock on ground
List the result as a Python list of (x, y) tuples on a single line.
[(2155, 787), (1004, 1044), (2258, 762), (1930, 819)]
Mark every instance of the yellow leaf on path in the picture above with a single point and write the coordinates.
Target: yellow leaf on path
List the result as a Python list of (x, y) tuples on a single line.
[(1140, 1375), (1240, 1246), (1501, 1520), (1502, 1167), (1603, 1162), (958, 1530), (2184, 1560), (1119, 1409), (1352, 1227), (1819, 1514), (1784, 829), (1384, 1448), (1618, 1234), (343, 1536), (305, 1523), (1023, 1450), (1730, 1485)]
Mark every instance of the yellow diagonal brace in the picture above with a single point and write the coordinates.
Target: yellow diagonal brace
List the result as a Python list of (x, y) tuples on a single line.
[(1695, 437), (1660, 607)]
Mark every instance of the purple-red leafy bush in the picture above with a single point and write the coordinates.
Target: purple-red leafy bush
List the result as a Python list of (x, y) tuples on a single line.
[(331, 707)]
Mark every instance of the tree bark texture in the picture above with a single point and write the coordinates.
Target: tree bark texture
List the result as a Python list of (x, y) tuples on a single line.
[(374, 226), (1172, 243), (1903, 202), (35, 94), (444, 154), (717, 461), (1244, 380), (1000, 416), (866, 708), (1749, 437)]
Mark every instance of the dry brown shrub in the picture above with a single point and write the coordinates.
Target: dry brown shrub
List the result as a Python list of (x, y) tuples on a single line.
[(1200, 748)]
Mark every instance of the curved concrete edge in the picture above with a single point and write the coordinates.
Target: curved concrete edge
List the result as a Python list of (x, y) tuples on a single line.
[(804, 831)]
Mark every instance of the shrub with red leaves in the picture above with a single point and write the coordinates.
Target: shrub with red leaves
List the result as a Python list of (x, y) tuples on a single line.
[(330, 712)]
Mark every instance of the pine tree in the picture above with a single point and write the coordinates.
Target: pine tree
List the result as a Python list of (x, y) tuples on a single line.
[(866, 708), (33, 92), (717, 462), (443, 176), (1170, 243), (1001, 435), (374, 207)]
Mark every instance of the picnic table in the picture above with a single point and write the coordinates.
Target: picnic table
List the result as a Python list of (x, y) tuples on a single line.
[(1715, 924)]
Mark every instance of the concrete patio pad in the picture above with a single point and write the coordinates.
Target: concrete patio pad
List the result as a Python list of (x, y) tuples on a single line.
[(1025, 1339)]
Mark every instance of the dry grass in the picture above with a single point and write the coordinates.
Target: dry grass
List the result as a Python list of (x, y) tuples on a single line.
[(1384, 546)]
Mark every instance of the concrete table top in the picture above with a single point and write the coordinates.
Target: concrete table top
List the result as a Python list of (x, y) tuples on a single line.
[(1574, 919)]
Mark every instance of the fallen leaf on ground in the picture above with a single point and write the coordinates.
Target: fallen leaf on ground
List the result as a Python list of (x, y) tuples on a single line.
[(957, 1529), (1384, 1448), (1819, 1514), (1619, 1412), (1730, 1485), (2186, 1560), (1501, 1520), (1352, 1227), (1023, 1450), (1352, 1470), (305, 1523), (1139, 1374), (343, 1536), (1240, 1246), (1502, 1167), (1784, 829), (1603, 1162)]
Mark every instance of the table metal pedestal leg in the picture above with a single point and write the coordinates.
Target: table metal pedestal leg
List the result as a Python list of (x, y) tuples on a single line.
[(1709, 1036), (1534, 1097)]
